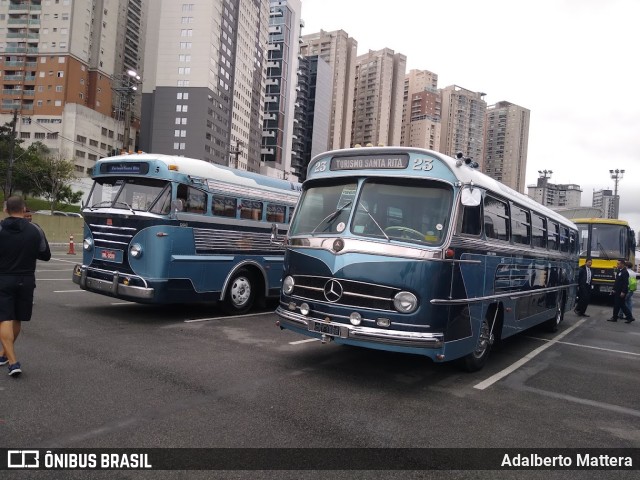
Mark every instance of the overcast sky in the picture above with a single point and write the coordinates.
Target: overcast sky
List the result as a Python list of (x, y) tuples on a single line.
[(574, 63)]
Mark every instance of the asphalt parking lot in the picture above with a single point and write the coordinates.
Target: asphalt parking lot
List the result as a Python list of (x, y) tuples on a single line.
[(103, 373)]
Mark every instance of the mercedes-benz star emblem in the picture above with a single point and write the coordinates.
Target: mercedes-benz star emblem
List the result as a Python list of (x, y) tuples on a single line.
[(333, 291)]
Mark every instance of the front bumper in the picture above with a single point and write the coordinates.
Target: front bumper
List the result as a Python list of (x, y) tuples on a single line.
[(115, 286), (399, 338)]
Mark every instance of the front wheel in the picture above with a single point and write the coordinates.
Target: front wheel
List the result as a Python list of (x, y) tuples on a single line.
[(476, 359), (241, 293), (553, 324)]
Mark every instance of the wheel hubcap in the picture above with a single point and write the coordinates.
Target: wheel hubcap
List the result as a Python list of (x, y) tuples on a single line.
[(240, 291)]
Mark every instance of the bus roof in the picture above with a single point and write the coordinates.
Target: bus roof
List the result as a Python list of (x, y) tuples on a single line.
[(203, 169), (464, 174)]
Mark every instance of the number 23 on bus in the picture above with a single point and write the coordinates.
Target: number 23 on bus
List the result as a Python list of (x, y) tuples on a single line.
[(167, 229), (409, 250)]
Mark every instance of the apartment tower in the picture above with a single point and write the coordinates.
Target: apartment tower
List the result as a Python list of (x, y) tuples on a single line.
[(377, 107), (506, 140), (421, 110), (60, 67), (204, 82), (463, 113), (339, 51)]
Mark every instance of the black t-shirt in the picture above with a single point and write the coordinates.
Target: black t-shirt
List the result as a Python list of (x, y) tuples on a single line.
[(21, 244)]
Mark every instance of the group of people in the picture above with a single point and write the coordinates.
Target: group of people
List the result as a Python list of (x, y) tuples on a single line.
[(624, 286)]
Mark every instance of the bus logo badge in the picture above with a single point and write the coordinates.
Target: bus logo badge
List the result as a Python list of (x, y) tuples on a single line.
[(333, 291)]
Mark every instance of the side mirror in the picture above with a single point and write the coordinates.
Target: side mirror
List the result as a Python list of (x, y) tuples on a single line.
[(274, 235), (471, 197)]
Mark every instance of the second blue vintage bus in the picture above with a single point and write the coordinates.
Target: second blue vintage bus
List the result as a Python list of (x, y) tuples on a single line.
[(409, 250), (169, 229)]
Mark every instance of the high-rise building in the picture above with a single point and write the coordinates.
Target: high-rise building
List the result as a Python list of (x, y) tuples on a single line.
[(555, 195), (506, 141), (463, 114), (312, 113), (605, 200), (377, 99), (61, 66), (282, 67), (339, 51), (204, 82), (421, 109)]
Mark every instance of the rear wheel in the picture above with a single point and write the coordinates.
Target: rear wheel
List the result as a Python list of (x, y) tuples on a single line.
[(553, 324), (476, 359), (241, 293)]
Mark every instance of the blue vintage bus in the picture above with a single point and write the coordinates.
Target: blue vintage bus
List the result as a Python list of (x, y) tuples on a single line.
[(409, 250), (169, 229)]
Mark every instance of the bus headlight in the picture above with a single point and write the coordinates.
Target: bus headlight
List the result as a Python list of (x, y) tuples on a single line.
[(135, 250), (87, 244), (288, 284), (405, 302)]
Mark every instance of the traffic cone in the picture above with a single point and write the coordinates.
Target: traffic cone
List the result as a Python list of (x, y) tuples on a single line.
[(72, 250)]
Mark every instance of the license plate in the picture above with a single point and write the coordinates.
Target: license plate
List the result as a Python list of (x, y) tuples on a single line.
[(606, 289), (108, 255), (326, 328)]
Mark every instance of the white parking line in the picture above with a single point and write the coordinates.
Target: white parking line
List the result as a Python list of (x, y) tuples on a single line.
[(55, 280), (59, 270), (298, 342), (500, 375), (68, 291), (64, 261), (589, 346), (223, 318)]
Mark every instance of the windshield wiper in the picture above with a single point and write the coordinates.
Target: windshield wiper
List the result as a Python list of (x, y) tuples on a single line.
[(603, 251), (125, 204), (332, 216), (99, 204), (374, 221)]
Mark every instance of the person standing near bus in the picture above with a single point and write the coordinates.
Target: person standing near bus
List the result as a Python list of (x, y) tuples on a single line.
[(633, 285), (584, 288), (620, 290), (21, 244)]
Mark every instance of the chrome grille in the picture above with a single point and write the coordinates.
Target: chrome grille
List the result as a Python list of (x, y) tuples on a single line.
[(208, 240), (108, 236), (354, 294)]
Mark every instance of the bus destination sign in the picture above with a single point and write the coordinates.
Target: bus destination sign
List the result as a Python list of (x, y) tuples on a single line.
[(125, 168), (385, 162)]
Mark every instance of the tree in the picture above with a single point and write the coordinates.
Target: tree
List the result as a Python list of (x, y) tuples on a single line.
[(9, 145), (48, 175)]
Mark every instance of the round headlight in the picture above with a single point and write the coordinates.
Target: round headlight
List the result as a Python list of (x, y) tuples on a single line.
[(288, 284), (87, 244), (355, 318), (305, 309), (135, 250), (405, 302)]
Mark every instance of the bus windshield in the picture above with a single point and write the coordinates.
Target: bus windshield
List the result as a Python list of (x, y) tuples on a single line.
[(608, 241), (406, 210), (127, 193)]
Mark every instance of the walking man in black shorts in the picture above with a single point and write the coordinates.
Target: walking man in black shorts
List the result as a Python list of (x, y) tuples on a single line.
[(21, 244)]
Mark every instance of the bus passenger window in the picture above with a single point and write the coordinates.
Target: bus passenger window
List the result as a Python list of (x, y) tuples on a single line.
[(224, 207), (470, 221), (275, 213), (251, 210), (520, 225), (193, 200), (496, 219), (564, 239), (539, 231), (554, 236)]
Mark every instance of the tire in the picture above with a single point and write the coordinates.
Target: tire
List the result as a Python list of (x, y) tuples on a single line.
[(477, 359), (241, 293), (553, 324)]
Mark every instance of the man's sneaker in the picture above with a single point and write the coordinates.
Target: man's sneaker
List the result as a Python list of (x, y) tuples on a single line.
[(3, 360), (629, 320), (612, 319), (14, 369)]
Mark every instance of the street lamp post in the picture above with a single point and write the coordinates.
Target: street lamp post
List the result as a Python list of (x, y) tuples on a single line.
[(616, 175), (545, 175), (127, 89)]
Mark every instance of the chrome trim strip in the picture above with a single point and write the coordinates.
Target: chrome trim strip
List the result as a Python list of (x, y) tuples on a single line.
[(315, 300), (108, 242), (395, 337), (111, 227), (110, 286), (510, 295)]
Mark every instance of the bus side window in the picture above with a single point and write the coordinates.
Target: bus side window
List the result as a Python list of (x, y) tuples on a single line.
[(496, 219), (224, 207), (251, 210), (276, 213), (554, 236), (470, 224)]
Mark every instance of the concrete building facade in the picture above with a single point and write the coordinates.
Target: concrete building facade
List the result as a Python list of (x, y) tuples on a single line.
[(605, 200), (60, 65), (506, 141), (377, 102), (555, 195), (421, 110), (463, 116), (339, 51), (204, 82)]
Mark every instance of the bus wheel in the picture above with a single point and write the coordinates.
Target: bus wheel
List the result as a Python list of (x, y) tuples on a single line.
[(476, 359), (553, 324), (240, 293)]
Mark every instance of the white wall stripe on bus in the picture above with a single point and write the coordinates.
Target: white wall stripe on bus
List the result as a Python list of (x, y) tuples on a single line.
[(500, 375)]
